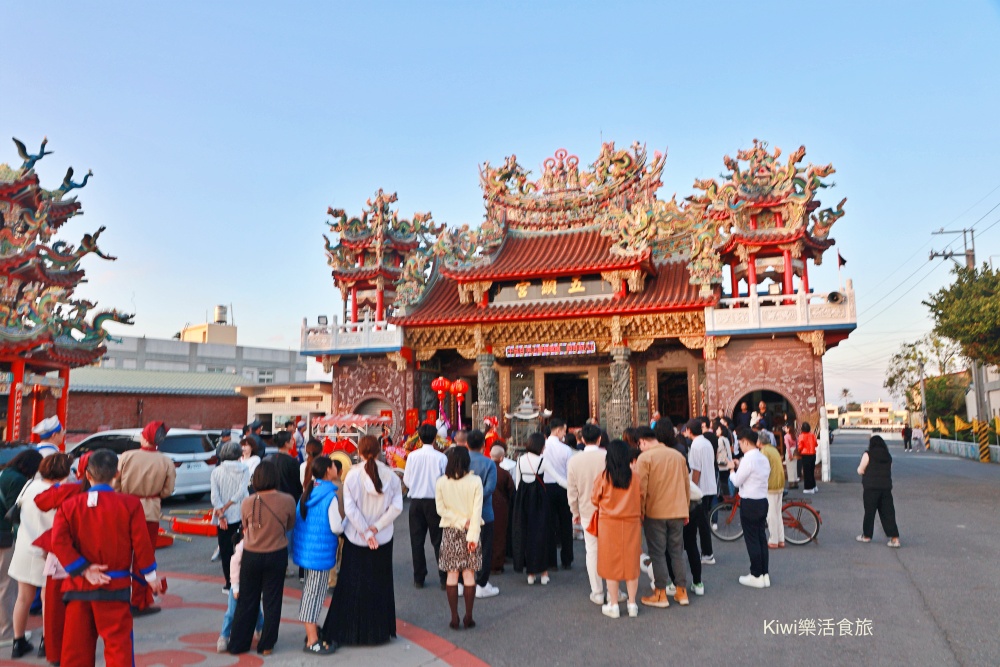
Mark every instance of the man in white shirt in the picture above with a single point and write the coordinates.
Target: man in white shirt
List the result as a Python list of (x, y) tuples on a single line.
[(751, 479), (557, 454), (424, 466), (581, 474), (701, 461)]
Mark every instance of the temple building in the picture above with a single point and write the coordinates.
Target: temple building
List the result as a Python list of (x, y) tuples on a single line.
[(44, 330), (603, 300)]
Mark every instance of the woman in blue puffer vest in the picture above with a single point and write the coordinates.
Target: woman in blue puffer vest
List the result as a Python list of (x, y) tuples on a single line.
[(314, 545)]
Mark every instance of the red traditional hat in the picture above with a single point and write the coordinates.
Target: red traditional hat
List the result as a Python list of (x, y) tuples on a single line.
[(151, 433)]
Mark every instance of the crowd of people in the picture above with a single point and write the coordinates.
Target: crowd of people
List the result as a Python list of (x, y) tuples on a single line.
[(61, 533)]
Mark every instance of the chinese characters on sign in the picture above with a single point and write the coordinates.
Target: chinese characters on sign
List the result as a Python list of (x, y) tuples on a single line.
[(820, 627), (578, 287), (550, 349)]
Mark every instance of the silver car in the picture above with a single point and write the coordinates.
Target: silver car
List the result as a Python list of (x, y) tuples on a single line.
[(191, 451)]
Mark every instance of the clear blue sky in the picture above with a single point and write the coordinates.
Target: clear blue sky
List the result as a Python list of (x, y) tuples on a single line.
[(220, 132)]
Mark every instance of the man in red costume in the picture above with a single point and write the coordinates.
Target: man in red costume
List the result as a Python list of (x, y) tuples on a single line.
[(492, 432), (97, 536), (148, 475)]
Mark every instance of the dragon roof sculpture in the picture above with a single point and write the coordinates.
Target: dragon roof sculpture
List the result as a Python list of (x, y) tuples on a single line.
[(759, 204), (38, 318)]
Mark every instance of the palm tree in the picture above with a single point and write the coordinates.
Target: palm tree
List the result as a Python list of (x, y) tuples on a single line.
[(845, 394)]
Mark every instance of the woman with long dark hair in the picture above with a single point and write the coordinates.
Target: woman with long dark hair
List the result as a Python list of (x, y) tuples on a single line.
[(530, 519), (618, 501), (12, 480), (314, 546), (876, 482), (363, 608), (266, 516), (458, 497)]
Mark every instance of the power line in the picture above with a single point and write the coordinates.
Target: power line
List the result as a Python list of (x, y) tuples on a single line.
[(912, 287)]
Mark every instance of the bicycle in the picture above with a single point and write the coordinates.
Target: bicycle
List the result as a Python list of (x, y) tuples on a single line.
[(801, 520)]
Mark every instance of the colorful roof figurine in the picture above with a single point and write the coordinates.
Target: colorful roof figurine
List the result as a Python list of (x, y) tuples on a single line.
[(371, 248), (602, 223), (40, 320)]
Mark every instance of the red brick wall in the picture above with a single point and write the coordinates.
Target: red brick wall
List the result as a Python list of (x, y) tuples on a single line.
[(784, 365), (88, 412)]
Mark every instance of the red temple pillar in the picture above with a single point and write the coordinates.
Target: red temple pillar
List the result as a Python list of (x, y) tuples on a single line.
[(37, 410), (62, 404), (735, 283), (805, 276), (379, 305), (14, 401), (752, 274), (354, 303), (786, 255)]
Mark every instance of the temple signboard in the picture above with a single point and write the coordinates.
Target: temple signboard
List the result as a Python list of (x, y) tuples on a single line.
[(552, 288), (550, 349)]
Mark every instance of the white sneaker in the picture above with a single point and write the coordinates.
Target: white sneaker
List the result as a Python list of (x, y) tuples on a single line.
[(222, 645), (671, 589), (611, 610), (215, 555), (752, 581), (487, 591), (633, 610), (545, 579), (622, 596), (708, 560), (461, 589), (531, 580), (698, 589), (597, 598), (767, 581)]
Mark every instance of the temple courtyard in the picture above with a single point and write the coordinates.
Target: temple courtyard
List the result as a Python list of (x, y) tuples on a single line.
[(913, 605)]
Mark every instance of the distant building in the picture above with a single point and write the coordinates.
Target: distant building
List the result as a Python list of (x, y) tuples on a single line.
[(206, 348), (878, 415), (104, 398)]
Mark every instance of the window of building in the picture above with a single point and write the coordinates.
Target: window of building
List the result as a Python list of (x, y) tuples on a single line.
[(215, 369), (265, 376)]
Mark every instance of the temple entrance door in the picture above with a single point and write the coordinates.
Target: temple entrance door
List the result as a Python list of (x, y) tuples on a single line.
[(673, 399), (777, 407), (567, 395)]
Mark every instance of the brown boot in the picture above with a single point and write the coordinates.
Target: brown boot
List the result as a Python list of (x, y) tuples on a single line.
[(657, 599), (452, 592), (681, 597), (470, 599)]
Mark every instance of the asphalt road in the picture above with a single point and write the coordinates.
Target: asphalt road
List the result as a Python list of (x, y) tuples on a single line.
[(933, 602)]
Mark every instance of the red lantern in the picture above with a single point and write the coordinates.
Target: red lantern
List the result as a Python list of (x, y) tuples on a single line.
[(441, 386), (458, 389)]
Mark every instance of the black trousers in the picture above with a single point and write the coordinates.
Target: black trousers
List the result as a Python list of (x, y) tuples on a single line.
[(486, 540), (690, 545), (907, 442), (226, 548), (424, 519), (704, 531), (809, 471), (561, 522), (753, 517), (879, 500), (261, 575)]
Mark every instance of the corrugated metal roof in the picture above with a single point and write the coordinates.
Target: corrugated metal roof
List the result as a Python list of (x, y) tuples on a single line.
[(92, 379)]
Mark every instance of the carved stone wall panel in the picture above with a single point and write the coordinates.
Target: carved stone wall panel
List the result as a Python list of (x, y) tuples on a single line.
[(641, 394), (604, 394), (374, 379), (783, 365)]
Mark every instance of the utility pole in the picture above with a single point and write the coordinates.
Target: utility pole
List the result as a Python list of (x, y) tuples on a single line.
[(978, 378), (923, 396)]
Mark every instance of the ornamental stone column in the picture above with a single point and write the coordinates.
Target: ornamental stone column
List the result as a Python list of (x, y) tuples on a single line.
[(620, 412), (489, 387)]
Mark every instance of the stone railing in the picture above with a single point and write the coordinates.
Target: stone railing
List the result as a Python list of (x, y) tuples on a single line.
[(793, 312), (366, 335)]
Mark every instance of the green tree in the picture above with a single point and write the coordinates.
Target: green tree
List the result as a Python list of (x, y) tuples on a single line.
[(968, 312), (903, 371), (946, 397)]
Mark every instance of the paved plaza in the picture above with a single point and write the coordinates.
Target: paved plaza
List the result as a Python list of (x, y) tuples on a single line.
[(933, 602)]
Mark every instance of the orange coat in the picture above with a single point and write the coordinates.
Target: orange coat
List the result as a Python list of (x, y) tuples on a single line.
[(619, 531)]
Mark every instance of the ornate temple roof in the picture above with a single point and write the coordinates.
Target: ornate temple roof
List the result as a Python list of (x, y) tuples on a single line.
[(549, 254), (669, 290), (40, 322)]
